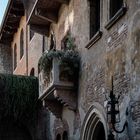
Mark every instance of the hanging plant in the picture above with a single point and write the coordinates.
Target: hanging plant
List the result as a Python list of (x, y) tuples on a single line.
[(18, 97), (68, 60)]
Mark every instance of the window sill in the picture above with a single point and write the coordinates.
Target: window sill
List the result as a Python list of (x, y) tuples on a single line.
[(116, 17), (94, 39)]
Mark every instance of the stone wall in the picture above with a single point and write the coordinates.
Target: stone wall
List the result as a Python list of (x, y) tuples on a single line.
[(5, 59), (115, 54), (21, 68)]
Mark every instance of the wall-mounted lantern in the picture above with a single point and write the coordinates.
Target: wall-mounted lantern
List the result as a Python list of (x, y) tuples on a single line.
[(113, 113)]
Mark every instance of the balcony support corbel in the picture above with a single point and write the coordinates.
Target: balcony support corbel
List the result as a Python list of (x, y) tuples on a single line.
[(55, 107), (40, 29), (67, 98)]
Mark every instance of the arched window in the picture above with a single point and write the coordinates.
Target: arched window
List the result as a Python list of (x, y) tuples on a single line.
[(21, 43), (65, 135), (32, 72), (15, 56), (58, 137)]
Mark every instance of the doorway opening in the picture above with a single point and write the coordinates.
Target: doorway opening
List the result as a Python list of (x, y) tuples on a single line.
[(93, 128)]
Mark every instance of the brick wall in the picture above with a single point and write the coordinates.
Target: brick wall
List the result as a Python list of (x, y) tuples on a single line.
[(5, 59)]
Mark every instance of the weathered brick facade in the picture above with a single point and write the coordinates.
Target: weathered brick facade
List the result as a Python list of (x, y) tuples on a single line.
[(115, 54), (5, 59)]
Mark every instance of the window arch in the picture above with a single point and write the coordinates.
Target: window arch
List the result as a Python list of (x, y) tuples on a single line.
[(21, 43), (58, 137), (61, 130), (15, 56), (94, 126)]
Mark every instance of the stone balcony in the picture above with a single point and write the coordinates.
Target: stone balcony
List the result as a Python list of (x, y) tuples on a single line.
[(41, 13), (57, 88)]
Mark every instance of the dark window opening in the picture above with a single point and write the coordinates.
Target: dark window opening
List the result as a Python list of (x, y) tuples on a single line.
[(15, 56), (58, 137), (31, 34), (115, 5), (52, 42), (65, 135), (21, 43), (32, 72), (94, 17)]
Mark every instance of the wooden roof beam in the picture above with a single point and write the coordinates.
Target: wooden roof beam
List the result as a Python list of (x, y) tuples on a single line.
[(16, 9), (10, 29), (49, 16), (11, 24), (40, 29), (63, 1), (6, 41), (19, 5), (8, 32), (17, 13)]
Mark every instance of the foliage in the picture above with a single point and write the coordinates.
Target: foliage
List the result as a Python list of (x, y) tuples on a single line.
[(68, 58), (69, 42), (18, 97)]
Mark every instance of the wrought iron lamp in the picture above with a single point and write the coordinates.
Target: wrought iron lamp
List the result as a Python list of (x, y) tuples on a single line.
[(113, 113)]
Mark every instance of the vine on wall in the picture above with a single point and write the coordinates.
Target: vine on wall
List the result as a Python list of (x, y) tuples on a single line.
[(18, 97)]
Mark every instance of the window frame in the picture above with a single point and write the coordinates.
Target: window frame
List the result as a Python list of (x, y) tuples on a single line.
[(111, 20), (98, 34)]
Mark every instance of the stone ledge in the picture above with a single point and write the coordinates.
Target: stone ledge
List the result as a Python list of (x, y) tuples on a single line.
[(116, 17), (94, 39)]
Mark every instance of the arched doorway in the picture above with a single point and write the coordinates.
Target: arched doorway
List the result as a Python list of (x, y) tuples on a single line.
[(94, 125)]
